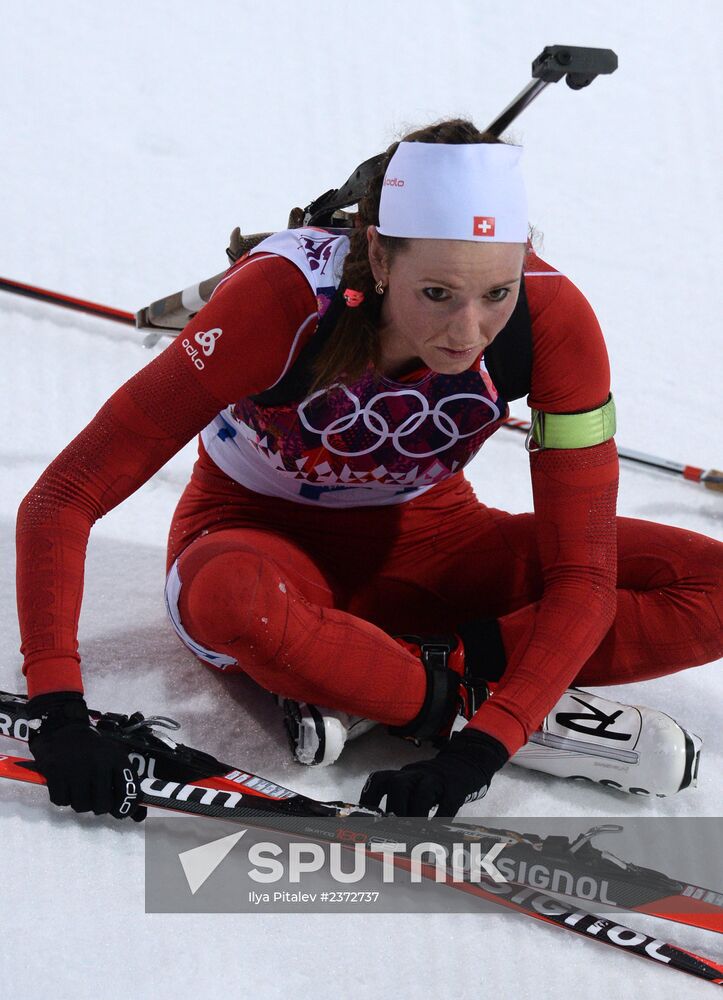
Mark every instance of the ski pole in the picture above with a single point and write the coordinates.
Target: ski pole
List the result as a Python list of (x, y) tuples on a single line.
[(68, 301), (712, 479)]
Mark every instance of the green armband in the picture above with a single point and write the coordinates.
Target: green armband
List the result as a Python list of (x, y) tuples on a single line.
[(572, 430)]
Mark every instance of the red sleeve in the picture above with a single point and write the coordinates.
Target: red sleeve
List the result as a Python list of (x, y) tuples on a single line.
[(253, 327), (570, 370), (575, 493)]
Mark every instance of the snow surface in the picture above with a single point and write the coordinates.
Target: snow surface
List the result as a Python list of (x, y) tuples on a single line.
[(134, 137)]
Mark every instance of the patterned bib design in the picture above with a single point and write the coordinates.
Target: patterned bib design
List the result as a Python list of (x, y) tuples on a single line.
[(375, 441)]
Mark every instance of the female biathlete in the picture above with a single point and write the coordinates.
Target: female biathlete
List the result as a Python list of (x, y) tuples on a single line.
[(328, 544)]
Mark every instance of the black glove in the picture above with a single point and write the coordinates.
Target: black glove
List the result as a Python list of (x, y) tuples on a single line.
[(84, 768), (461, 772)]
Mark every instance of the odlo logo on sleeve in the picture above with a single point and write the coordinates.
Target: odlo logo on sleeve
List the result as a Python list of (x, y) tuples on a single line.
[(206, 339)]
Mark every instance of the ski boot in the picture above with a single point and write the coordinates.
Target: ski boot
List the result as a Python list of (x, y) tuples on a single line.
[(316, 734), (630, 748)]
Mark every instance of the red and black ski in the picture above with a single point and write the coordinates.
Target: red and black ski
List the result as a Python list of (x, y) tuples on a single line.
[(201, 797), (186, 780), (174, 773)]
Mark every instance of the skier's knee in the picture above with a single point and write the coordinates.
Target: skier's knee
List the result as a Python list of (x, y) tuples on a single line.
[(228, 601)]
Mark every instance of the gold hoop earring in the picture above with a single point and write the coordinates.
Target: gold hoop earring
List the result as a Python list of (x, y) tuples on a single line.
[(379, 287)]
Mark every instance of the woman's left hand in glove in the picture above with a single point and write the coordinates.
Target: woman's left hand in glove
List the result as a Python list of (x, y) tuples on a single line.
[(460, 773)]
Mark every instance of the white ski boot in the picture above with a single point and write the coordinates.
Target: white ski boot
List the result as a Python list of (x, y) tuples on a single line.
[(317, 735), (627, 747), (585, 737)]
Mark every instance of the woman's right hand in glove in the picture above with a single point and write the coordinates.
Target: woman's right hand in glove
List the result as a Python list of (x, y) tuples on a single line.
[(83, 768)]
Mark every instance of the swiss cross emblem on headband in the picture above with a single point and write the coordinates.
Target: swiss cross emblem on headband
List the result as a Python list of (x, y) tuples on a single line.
[(484, 225)]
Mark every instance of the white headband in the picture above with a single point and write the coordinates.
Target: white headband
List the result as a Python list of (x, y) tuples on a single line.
[(437, 191)]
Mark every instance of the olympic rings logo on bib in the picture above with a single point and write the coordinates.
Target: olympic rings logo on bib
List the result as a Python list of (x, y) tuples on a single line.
[(366, 419)]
